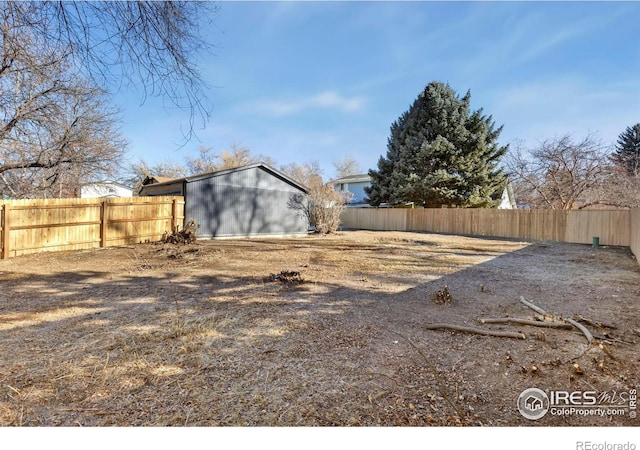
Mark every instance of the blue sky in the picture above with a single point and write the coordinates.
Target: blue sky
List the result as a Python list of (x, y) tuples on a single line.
[(317, 81)]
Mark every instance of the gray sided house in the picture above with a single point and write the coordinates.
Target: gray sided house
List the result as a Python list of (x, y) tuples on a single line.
[(254, 200)]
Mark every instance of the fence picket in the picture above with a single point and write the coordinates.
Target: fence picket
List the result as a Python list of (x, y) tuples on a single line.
[(5, 231)]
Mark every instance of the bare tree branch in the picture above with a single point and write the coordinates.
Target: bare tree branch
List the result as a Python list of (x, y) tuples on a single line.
[(53, 125), (150, 44), (346, 166), (322, 205), (559, 173)]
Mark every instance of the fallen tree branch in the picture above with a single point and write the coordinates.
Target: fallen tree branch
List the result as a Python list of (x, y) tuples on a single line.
[(580, 327), (534, 323), (532, 306), (581, 318), (446, 326)]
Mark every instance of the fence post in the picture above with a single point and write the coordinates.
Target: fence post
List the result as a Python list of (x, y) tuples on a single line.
[(174, 215), (5, 231), (103, 223)]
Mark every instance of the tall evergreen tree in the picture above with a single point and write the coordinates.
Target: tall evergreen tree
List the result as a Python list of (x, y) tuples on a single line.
[(440, 153), (627, 154)]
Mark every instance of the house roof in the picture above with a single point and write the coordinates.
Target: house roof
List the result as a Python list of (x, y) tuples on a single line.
[(203, 176), (359, 178), (107, 182), (152, 179)]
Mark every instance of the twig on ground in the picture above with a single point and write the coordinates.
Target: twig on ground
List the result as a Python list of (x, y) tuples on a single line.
[(534, 323), (446, 326), (532, 306), (581, 318)]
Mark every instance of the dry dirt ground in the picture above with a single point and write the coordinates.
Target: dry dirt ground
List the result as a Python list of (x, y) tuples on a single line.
[(208, 334)]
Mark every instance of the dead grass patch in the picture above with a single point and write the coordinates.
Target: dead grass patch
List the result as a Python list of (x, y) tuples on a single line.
[(159, 335)]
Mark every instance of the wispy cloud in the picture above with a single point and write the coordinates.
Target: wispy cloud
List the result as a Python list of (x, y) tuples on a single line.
[(535, 48), (549, 38), (526, 39), (565, 104), (330, 100)]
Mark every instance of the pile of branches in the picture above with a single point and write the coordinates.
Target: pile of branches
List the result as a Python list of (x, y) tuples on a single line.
[(548, 320), (184, 236), (285, 276)]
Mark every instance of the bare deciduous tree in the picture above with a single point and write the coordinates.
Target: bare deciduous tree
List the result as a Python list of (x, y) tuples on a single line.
[(55, 128), (304, 174), (619, 189), (559, 173), (138, 171), (237, 156), (55, 124), (207, 161), (169, 169), (151, 44), (346, 166), (323, 205)]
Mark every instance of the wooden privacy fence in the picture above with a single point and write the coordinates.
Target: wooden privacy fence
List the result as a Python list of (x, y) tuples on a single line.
[(611, 227), (635, 233), (33, 226)]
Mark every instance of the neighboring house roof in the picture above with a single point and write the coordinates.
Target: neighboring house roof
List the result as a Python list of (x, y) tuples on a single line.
[(107, 182), (152, 179), (202, 176), (105, 189), (359, 178), (508, 199)]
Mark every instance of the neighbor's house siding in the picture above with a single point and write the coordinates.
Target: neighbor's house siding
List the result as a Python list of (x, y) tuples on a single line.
[(248, 201), (103, 189), (355, 184), (357, 189)]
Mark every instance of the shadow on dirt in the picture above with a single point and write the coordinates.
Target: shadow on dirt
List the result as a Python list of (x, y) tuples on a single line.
[(160, 340)]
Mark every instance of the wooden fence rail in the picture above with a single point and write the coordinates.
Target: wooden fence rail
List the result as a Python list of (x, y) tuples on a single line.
[(33, 226), (619, 227)]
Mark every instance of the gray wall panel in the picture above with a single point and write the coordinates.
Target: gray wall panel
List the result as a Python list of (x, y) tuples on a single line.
[(243, 203)]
